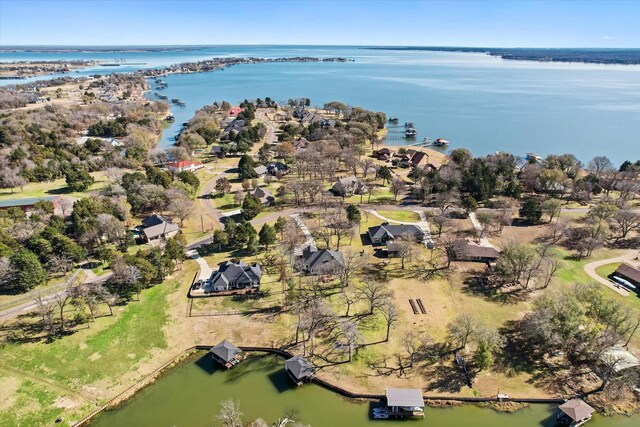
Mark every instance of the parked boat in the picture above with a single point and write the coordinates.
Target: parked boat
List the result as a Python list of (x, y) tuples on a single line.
[(410, 133), (409, 125), (393, 120), (440, 142), (178, 102)]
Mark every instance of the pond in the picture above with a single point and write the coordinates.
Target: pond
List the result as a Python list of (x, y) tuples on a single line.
[(190, 394)]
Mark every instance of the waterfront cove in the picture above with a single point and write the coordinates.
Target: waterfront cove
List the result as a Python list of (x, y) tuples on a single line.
[(190, 395)]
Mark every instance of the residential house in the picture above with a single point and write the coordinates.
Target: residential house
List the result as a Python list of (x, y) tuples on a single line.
[(384, 154), (299, 369), (234, 111), (320, 262), (348, 186), (218, 151), (471, 251), (155, 227), (184, 165), (387, 232), (278, 169), (261, 170), (264, 195), (414, 158), (226, 354), (300, 144), (234, 276)]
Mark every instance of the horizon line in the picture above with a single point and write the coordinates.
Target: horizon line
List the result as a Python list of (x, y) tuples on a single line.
[(4, 46)]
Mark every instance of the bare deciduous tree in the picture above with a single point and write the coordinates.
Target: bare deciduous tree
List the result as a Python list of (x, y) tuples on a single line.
[(375, 293), (230, 415), (389, 313), (462, 328)]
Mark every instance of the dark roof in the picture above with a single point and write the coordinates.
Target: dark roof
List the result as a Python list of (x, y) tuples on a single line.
[(263, 194), (477, 251), (152, 220), (238, 273), (277, 166), (471, 250), (393, 246), (390, 232), (628, 271), (405, 397), (322, 261), (577, 409), (225, 351), (299, 367)]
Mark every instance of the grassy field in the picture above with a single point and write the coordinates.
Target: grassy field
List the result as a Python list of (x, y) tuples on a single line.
[(606, 270), (399, 215), (77, 372), (57, 187)]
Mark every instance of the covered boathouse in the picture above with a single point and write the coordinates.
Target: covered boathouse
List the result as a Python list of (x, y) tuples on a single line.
[(575, 412), (405, 402), (300, 370), (226, 354)]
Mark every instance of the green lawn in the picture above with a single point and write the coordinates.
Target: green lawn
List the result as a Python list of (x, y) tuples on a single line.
[(225, 202), (403, 216), (79, 368), (53, 188), (606, 270)]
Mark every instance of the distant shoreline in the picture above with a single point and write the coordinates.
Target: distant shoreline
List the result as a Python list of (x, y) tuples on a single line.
[(572, 55)]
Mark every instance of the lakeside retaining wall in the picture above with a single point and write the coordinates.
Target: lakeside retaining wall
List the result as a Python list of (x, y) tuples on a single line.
[(286, 355)]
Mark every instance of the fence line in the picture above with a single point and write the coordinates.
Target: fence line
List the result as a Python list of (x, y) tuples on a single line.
[(45, 292)]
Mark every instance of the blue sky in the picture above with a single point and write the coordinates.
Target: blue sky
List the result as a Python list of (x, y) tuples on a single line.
[(606, 23)]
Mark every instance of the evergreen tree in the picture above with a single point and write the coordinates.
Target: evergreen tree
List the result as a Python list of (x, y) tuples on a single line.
[(28, 272), (267, 236), (246, 168)]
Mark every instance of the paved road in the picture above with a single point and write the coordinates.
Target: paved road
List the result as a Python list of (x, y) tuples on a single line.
[(31, 304), (590, 269)]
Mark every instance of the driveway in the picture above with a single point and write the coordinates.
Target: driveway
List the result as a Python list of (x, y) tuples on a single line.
[(476, 224), (590, 269), (205, 270), (310, 242)]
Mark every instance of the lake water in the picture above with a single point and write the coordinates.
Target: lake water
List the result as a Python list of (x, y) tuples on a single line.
[(190, 395), (476, 101)]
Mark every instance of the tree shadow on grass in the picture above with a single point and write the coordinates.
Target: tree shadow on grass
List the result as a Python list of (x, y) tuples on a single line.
[(484, 287)]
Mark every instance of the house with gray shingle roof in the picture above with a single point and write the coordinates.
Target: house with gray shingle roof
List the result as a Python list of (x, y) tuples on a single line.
[(234, 275), (348, 186), (156, 227), (264, 195), (382, 233), (318, 262)]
